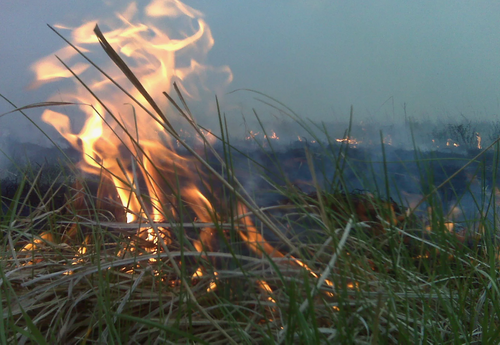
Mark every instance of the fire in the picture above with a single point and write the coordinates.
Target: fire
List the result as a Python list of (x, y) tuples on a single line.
[(126, 137), (259, 245), (114, 132), (272, 136), (348, 140), (38, 242), (251, 135), (199, 273), (265, 287)]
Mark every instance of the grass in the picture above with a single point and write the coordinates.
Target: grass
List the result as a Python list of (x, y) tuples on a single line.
[(336, 266)]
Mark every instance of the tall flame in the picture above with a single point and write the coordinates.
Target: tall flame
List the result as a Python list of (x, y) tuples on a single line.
[(157, 56), (122, 138)]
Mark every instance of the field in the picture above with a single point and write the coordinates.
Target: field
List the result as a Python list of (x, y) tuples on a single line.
[(317, 241)]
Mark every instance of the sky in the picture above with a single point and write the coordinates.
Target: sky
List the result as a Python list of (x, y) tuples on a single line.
[(436, 59)]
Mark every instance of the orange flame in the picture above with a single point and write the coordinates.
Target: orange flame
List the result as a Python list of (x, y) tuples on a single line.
[(349, 140), (259, 245), (122, 138), (267, 289), (157, 57)]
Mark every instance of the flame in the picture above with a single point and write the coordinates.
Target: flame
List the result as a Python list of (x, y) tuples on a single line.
[(37, 243), (267, 289), (259, 245), (122, 140), (251, 135), (119, 138), (81, 251), (157, 57), (348, 140), (199, 273), (273, 136)]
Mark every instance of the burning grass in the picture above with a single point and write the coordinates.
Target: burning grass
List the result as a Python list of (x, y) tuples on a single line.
[(157, 245), (352, 267), (373, 274)]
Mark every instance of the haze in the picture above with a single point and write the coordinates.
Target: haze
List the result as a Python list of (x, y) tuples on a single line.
[(440, 58)]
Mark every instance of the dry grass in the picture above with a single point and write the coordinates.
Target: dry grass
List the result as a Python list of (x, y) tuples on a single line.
[(336, 271)]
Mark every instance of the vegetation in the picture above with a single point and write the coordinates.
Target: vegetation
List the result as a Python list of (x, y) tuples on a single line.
[(335, 266)]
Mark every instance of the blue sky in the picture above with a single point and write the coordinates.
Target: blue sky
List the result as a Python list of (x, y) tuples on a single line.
[(441, 58)]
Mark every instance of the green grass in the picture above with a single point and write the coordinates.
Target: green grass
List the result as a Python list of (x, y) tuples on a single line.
[(389, 282), (339, 267)]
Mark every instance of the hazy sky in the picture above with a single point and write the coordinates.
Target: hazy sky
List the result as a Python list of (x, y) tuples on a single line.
[(441, 58)]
